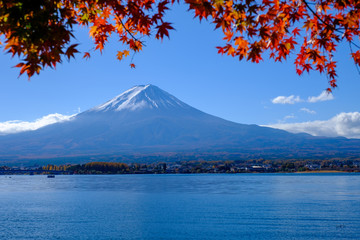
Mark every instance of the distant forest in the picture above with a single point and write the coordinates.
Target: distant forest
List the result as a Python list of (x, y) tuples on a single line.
[(249, 166)]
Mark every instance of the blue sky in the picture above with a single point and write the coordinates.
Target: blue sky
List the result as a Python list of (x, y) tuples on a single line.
[(188, 67)]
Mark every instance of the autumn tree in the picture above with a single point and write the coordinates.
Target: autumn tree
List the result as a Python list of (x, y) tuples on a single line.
[(40, 31)]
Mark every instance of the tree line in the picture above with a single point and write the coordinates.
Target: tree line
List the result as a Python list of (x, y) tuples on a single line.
[(195, 166)]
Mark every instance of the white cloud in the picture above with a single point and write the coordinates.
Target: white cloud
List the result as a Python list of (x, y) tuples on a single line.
[(286, 100), (16, 126), (324, 96), (343, 124), (308, 110), (289, 116)]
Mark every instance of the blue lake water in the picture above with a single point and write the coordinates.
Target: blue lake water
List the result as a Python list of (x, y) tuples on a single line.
[(203, 206)]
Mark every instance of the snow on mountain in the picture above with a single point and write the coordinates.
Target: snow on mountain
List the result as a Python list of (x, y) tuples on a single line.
[(140, 97)]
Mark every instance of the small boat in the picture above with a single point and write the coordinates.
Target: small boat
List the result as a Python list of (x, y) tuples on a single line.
[(51, 176)]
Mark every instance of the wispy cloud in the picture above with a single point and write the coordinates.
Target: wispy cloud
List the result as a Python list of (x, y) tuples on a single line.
[(16, 126), (324, 96), (307, 110), (292, 99), (289, 116), (286, 100), (343, 124)]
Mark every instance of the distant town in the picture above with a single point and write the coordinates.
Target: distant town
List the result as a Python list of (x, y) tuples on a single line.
[(184, 167)]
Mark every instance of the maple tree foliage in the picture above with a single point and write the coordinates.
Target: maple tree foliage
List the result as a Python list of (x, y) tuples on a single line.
[(40, 31)]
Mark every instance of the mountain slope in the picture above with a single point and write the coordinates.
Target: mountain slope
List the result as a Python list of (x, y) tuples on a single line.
[(148, 120)]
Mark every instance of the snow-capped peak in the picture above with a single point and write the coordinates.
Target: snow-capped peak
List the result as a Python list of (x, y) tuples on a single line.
[(140, 97)]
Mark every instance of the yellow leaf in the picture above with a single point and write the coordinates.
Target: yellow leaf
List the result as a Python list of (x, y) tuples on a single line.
[(126, 53), (120, 55)]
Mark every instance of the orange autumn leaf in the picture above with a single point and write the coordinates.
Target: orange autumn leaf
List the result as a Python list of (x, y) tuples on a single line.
[(311, 30)]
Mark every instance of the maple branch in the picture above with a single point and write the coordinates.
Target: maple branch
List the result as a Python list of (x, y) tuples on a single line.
[(335, 29), (132, 58), (130, 32), (354, 44), (318, 17)]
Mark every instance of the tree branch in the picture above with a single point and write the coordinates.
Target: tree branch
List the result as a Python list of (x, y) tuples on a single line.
[(318, 17), (130, 32)]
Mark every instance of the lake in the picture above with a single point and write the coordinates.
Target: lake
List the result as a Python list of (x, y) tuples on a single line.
[(199, 206)]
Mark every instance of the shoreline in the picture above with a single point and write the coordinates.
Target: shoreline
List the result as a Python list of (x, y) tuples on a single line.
[(172, 173), (325, 171)]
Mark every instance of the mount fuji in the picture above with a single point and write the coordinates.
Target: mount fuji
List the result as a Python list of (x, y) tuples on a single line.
[(147, 122)]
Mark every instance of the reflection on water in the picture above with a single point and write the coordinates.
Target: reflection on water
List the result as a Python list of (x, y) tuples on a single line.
[(205, 206)]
